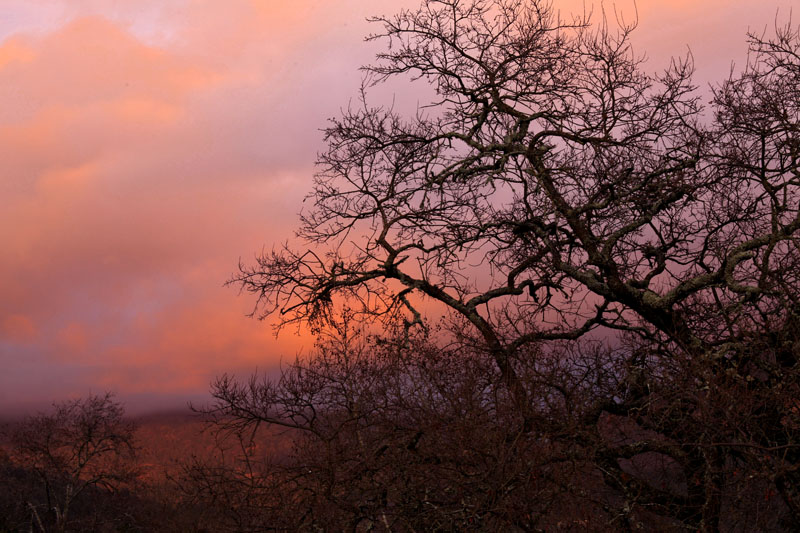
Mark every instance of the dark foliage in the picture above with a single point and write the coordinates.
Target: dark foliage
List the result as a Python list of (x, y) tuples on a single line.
[(412, 436)]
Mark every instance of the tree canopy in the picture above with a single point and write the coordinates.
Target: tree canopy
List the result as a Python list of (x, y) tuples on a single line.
[(553, 193), (597, 194)]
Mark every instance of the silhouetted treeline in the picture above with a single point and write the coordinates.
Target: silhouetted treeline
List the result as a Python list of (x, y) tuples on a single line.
[(398, 433)]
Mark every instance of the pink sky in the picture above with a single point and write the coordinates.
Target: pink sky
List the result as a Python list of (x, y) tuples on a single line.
[(148, 144)]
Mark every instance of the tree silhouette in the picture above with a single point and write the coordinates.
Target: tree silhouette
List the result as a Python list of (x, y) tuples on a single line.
[(84, 443), (598, 202)]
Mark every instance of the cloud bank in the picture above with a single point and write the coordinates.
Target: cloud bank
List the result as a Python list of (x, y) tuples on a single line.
[(147, 145)]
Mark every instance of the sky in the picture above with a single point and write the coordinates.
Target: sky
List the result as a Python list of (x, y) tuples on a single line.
[(147, 145)]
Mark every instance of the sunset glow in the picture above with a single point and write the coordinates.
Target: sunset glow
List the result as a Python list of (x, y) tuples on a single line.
[(148, 145)]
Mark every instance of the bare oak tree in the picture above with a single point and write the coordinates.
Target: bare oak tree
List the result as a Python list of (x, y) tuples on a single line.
[(554, 192)]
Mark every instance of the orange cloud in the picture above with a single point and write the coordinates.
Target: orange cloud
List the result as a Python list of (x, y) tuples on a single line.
[(17, 328), (73, 340), (15, 51)]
